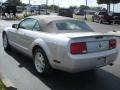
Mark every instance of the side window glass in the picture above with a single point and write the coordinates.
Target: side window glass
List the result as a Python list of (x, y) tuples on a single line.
[(27, 24), (37, 27)]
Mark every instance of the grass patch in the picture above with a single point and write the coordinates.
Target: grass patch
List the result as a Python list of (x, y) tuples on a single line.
[(2, 86), (81, 18)]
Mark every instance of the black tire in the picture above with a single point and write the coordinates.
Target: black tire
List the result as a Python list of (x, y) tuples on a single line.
[(7, 46), (101, 21), (93, 19), (109, 22), (47, 68)]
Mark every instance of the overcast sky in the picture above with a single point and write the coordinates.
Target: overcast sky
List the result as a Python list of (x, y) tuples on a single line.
[(64, 3), (67, 3)]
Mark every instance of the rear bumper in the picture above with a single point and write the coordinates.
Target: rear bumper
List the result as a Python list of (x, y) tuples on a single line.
[(77, 63), (107, 20)]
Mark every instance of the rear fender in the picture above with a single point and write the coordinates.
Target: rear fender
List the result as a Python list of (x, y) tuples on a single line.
[(43, 45)]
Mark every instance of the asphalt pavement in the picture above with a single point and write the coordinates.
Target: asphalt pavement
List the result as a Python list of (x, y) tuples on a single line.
[(104, 27), (19, 69)]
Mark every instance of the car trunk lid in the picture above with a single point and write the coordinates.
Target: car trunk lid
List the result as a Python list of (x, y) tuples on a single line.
[(95, 42)]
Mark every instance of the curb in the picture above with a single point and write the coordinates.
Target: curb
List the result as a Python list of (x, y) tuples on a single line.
[(8, 84)]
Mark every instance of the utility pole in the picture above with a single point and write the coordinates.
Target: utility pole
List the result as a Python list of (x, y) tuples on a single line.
[(46, 6), (29, 6), (113, 7), (0, 2), (53, 6), (86, 12)]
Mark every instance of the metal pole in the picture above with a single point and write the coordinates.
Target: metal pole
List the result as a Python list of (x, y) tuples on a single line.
[(29, 6), (29, 2), (53, 6), (113, 6), (86, 12), (21, 1), (1, 1), (46, 6)]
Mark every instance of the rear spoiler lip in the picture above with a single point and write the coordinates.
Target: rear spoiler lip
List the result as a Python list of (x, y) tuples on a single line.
[(92, 36)]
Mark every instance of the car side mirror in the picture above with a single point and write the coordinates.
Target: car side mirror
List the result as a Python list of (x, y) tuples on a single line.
[(15, 26)]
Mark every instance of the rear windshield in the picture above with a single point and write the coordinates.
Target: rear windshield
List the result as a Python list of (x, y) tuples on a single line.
[(103, 13), (116, 14), (73, 25)]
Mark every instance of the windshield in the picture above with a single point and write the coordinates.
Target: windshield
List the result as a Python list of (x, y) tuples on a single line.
[(73, 25)]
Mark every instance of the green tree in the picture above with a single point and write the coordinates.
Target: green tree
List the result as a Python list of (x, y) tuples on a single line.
[(13, 2), (84, 7), (107, 1), (23, 4), (43, 6), (54, 8), (96, 8), (72, 8)]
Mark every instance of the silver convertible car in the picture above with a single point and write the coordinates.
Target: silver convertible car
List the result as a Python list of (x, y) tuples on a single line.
[(56, 42)]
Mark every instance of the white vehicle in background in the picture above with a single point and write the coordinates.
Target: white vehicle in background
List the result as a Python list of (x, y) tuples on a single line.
[(43, 12), (115, 33), (56, 42)]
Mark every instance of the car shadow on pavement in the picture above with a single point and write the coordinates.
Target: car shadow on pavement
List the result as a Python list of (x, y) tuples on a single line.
[(90, 80)]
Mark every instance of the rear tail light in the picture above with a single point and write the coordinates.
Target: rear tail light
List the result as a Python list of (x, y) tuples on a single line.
[(112, 44), (78, 48)]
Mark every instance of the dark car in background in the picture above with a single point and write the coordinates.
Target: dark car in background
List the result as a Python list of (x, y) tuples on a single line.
[(65, 12), (43, 12), (102, 17), (20, 9), (35, 9), (116, 18), (78, 12)]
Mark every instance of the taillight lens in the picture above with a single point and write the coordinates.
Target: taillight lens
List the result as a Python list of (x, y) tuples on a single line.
[(112, 44), (78, 48)]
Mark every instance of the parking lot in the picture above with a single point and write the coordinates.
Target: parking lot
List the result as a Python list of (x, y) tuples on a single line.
[(19, 69)]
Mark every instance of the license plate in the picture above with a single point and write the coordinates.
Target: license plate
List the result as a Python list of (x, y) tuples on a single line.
[(101, 62), (98, 46), (104, 45)]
